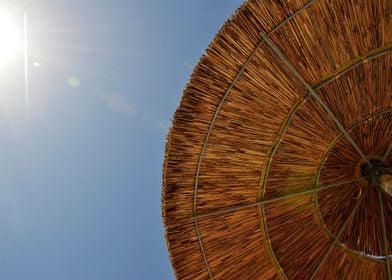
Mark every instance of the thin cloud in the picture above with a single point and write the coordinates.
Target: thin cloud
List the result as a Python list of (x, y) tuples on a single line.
[(117, 103)]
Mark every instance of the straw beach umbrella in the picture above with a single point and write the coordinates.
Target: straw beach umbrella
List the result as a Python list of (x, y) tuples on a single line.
[(279, 160)]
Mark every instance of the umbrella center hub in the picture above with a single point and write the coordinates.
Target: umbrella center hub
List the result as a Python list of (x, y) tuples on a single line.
[(378, 175)]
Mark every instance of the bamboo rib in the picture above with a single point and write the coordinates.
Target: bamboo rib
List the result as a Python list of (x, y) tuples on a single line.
[(315, 96), (384, 231), (287, 196), (202, 249), (340, 232), (389, 149)]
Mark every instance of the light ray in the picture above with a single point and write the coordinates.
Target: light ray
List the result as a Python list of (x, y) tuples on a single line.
[(26, 66)]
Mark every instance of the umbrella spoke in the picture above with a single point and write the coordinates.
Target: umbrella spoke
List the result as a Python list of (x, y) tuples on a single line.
[(387, 152), (203, 252), (230, 88), (315, 96), (336, 238), (384, 232), (262, 202)]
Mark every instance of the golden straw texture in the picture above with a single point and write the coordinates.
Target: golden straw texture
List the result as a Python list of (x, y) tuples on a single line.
[(263, 121)]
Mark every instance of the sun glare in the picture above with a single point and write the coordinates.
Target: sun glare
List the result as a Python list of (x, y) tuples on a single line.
[(10, 40)]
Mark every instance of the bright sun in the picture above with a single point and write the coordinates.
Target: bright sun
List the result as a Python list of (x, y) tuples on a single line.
[(10, 41)]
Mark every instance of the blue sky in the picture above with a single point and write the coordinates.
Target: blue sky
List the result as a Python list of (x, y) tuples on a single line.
[(81, 167)]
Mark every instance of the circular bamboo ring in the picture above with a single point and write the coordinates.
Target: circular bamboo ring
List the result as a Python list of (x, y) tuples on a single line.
[(357, 185)]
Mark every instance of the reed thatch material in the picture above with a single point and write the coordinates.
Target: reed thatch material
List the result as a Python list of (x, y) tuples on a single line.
[(263, 170)]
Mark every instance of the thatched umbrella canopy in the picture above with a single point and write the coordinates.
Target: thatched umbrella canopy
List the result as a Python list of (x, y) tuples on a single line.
[(278, 160)]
